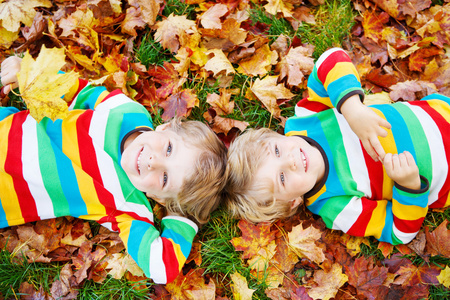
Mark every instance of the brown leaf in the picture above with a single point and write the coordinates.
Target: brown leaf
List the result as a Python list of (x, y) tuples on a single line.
[(412, 275), (168, 78), (133, 20), (295, 65), (438, 241), (211, 18), (328, 283), (221, 103), (191, 286), (172, 30), (399, 9), (411, 90), (420, 58), (367, 278), (179, 104)]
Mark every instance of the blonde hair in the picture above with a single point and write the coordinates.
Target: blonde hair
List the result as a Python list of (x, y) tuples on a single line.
[(246, 196), (200, 193)]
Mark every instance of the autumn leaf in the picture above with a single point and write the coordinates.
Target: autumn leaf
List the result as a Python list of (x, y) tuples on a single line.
[(42, 87), (279, 6), (411, 90), (295, 65), (399, 10), (260, 63), (304, 243), (173, 31), (438, 241), (328, 283), (13, 13), (221, 103), (168, 78), (211, 18), (179, 104), (254, 238), (191, 286), (373, 24), (240, 287), (268, 92), (444, 277), (219, 63), (121, 263)]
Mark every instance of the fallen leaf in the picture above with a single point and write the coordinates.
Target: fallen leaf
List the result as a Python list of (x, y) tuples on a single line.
[(168, 78), (373, 24), (240, 287), (295, 65), (328, 283), (211, 18), (254, 238), (260, 63), (172, 30), (411, 90), (444, 277), (304, 244), (13, 13), (121, 263), (438, 241), (219, 63), (279, 6), (179, 104)]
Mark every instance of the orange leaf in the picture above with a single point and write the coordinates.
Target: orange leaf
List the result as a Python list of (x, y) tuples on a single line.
[(304, 243), (439, 240), (254, 238), (191, 286), (168, 78), (179, 104), (172, 30), (260, 63), (328, 283), (386, 248), (373, 24)]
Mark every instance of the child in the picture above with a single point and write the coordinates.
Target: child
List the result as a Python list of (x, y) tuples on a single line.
[(332, 157), (100, 162)]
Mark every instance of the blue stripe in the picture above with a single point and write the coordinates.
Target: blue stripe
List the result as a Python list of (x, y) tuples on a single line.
[(65, 169), (436, 96), (87, 97), (341, 86), (386, 234), (178, 239), (317, 86), (3, 221), (7, 111), (136, 234)]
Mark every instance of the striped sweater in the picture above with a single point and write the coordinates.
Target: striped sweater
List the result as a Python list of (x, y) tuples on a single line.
[(356, 196), (71, 167)]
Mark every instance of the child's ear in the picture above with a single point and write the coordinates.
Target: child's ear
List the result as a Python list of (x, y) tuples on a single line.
[(296, 202), (162, 127)]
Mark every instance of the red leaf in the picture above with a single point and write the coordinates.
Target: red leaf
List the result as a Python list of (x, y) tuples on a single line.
[(179, 104)]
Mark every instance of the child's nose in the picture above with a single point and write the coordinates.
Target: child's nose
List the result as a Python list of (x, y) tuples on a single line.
[(153, 163)]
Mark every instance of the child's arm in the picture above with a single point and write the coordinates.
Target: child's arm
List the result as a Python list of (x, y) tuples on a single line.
[(367, 125), (402, 168)]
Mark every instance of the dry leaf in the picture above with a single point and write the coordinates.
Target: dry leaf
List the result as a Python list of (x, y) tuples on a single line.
[(240, 287)]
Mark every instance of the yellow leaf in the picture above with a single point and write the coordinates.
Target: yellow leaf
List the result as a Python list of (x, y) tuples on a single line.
[(219, 63), (328, 283), (260, 63), (7, 38), (240, 287), (40, 85), (379, 98), (275, 6), (444, 277), (304, 243), (13, 13), (173, 31), (120, 263)]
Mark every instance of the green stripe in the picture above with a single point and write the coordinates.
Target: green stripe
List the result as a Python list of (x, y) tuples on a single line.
[(49, 172), (332, 208), (419, 140)]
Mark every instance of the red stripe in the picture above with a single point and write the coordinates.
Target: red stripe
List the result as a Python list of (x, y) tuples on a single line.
[(312, 105), (375, 170), (89, 164), (13, 166), (170, 260), (444, 128), (328, 64), (359, 227), (112, 94), (81, 84), (408, 226)]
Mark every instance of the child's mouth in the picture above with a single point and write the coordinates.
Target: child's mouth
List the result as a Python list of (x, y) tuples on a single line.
[(138, 163), (304, 159)]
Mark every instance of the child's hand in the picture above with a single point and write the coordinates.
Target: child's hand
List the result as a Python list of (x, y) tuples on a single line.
[(9, 69), (367, 125), (403, 169)]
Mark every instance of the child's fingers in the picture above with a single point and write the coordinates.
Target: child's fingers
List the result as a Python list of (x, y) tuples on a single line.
[(387, 162), (370, 150)]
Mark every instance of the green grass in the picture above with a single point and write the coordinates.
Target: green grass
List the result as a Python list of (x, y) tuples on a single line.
[(151, 53), (113, 289), (179, 7), (15, 270)]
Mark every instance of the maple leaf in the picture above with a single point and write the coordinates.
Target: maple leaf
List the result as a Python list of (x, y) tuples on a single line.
[(373, 24), (328, 283), (400, 11), (240, 287), (268, 92), (254, 238), (412, 275), (121, 263), (353, 243), (295, 65), (304, 243), (260, 63), (7, 38), (42, 87), (224, 125), (179, 104), (285, 258), (438, 241), (149, 9), (172, 30), (221, 103), (279, 6), (168, 78), (367, 277), (386, 248), (211, 18), (191, 286), (260, 261), (219, 63), (420, 58), (444, 277), (12, 13), (133, 20)]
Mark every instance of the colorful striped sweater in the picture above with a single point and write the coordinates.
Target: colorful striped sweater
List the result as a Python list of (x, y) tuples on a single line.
[(71, 167), (356, 196)]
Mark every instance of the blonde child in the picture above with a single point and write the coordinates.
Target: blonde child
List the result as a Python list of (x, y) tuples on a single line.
[(368, 171), (101, 162)]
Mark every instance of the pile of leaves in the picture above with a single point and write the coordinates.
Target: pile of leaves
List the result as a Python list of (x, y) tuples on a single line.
[(204, 55)]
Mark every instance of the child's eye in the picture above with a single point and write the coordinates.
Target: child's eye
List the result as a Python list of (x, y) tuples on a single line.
[(164, 179), (282, 178), (277, 151), (169, 149)]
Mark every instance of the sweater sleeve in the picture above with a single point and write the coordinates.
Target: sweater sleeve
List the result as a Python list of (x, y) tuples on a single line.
[(160, 256), (333, 80), (395, 222)]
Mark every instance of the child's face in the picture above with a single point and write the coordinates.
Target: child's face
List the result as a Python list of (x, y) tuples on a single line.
[(293, 165), (157, 162)]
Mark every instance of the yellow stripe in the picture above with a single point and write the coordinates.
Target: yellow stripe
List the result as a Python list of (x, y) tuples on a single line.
[(294, 132), (101, 97), (338, 70), (312, 96), (442, 107), (85, 182), (10, 202), (177, 250), (377, 221), (313, 199), (408, 212)]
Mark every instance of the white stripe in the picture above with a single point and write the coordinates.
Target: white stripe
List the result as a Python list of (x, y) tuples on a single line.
[(32, 171), (402, 236), (113, 102), (348, 216), (157, 267), (74, 101), (355, 156), (300, 111), (325, 56), (436, 146)]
